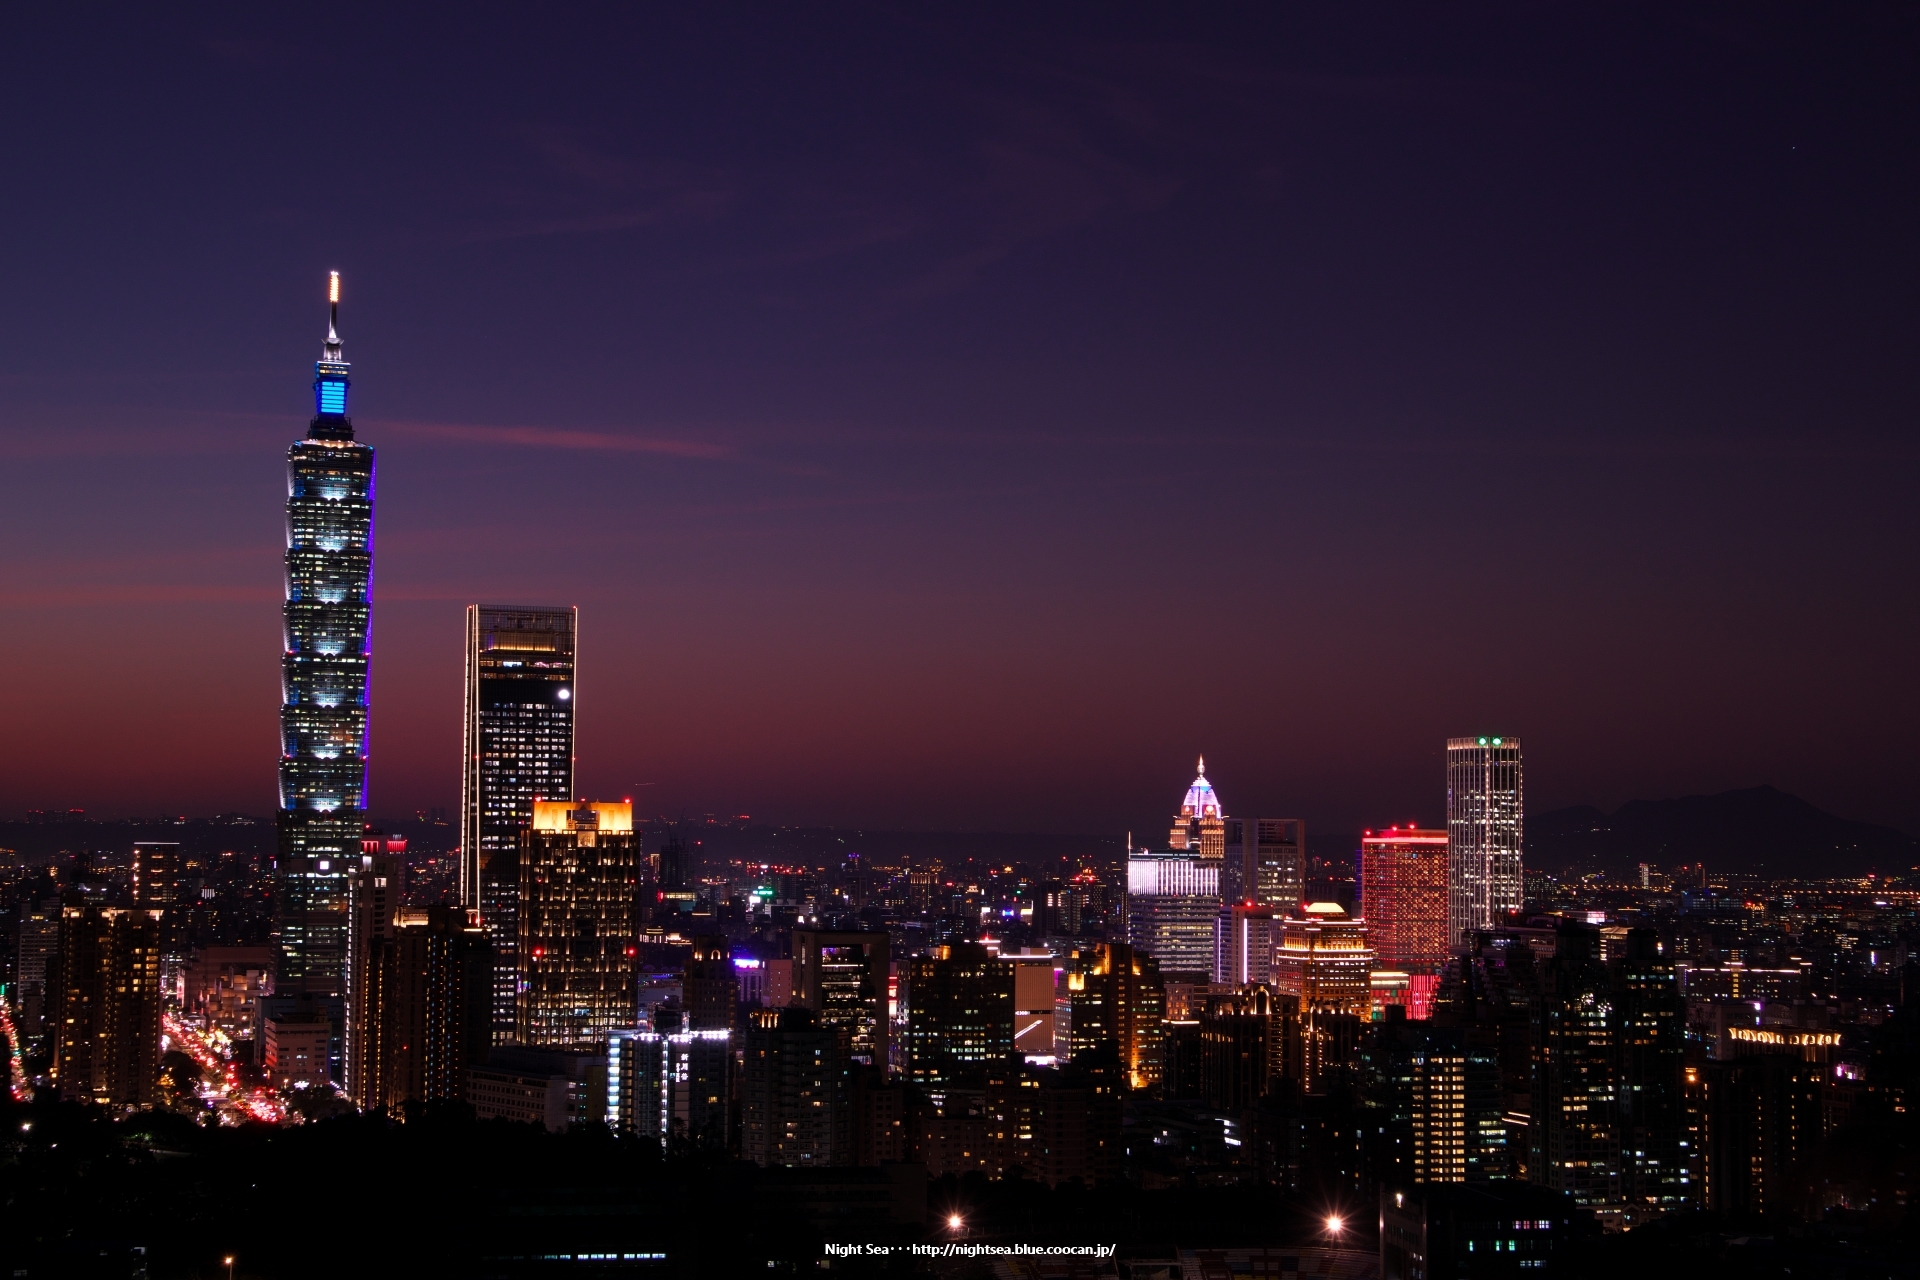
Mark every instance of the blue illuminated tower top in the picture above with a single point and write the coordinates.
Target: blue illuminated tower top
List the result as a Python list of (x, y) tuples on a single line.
[(330, 380)]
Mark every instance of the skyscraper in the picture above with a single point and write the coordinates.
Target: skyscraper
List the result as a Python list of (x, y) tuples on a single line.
[(578, 917), (106, 1020), (1650, 1037), (518, 739), (1323, 960), (796, 1093), (1249, 1043), (1434, 1095), (711, 985), (423, 1004), (1266, 862), (374, 889), (671, 1086), (1483, 833), (1253, 931), (1173, 909), (1403, 895), (842, 976), (959, 1012), (1117, 1001), (323, 713), (1200, 824), (1575, 1133), (156, 874), (1035, 1004)]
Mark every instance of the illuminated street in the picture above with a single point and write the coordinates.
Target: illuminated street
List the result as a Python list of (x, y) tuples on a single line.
[(220, 1083)]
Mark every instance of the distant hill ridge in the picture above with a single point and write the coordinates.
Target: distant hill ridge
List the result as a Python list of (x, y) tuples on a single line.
[(1761, 830)]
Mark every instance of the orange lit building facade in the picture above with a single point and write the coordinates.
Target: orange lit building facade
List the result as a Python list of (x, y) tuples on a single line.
[(1324, 960), (578, 922)]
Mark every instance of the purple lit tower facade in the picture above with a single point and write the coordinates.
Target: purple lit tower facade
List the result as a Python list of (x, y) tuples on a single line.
[(324, 703)]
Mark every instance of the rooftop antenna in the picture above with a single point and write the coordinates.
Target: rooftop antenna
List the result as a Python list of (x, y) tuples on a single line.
[(333, 316)]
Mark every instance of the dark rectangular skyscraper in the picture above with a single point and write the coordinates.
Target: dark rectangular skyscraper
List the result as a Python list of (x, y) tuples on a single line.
[(518, 749), (1265, 862), (323, 713), (106, 1020)]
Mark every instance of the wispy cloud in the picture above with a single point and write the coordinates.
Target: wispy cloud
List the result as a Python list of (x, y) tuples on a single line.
[(77, 595), (565, 438)]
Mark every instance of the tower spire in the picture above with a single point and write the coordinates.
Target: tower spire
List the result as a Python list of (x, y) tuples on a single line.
[(332, 351)]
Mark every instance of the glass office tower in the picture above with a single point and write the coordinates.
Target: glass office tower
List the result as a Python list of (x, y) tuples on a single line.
[(1484, 830), (518, 749), (579, 925), (323, 713)]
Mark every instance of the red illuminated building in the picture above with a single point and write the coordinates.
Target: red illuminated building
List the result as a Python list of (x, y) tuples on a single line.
[(1403, 895)]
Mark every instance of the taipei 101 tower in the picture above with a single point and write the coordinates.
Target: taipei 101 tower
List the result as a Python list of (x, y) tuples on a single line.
[(323, 712)]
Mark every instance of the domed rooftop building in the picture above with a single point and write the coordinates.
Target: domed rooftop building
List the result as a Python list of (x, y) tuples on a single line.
[(1201, 823)]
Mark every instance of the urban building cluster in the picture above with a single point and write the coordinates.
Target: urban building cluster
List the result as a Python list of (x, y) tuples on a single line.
[(1436, 1031)]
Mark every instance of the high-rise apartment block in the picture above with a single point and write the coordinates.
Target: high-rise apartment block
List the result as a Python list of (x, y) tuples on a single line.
[(1403, 896), (796, 1092), (422, 1010), (960, 1012), (1035, 1004), (842, 976), (1649, 1037), (1484, 830), (38, 954), (710, 988), (156, 874), (1758, 1118), (1117, 1002), (374, 891), (105, 1017), (578, 925), (1253, 930), (1608, 1090), (673, 1087), (1249, 1044), (1434, 1097), (518, 748), (324, 707)]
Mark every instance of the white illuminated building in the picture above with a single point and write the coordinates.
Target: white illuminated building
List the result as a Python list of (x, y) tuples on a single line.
[(1173, 895), (670, 1086), (1484, 830)]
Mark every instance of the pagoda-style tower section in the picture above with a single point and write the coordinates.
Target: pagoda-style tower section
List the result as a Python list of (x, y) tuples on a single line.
[(324, 690)]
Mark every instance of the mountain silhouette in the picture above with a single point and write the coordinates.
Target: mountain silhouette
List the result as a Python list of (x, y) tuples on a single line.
[(1759, 830)]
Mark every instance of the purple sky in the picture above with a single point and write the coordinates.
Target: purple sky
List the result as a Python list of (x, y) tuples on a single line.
[(963, 422)]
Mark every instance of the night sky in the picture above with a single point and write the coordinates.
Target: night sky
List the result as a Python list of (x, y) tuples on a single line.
[(954, 418)]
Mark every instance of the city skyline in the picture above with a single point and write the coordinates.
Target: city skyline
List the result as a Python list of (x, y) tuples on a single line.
[(860, 384)]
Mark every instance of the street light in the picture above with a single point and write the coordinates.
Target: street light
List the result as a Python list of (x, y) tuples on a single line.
[(1334, 1225), (228, 1260)]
